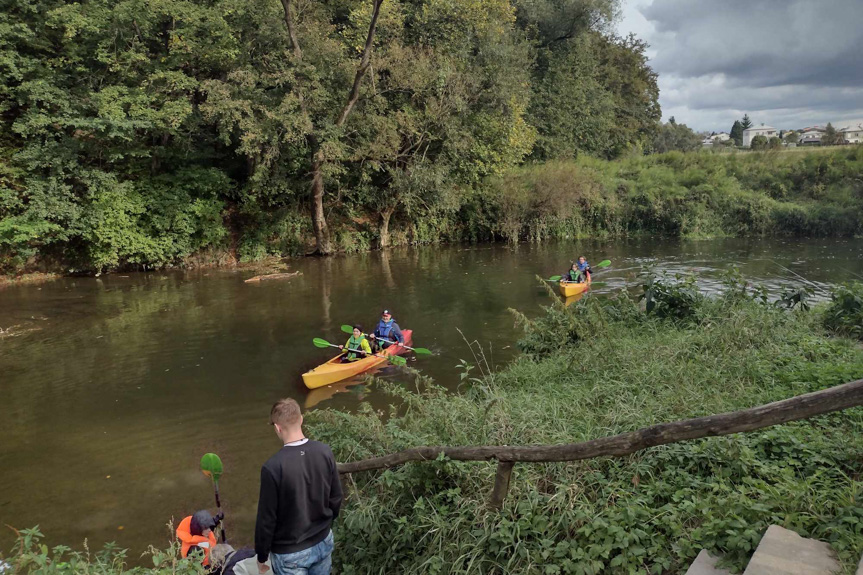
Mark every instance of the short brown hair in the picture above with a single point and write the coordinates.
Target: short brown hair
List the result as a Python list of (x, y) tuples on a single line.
[(285, 412)]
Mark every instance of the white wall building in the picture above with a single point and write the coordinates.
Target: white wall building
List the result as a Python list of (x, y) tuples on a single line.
[(853, 132), (762, 130)]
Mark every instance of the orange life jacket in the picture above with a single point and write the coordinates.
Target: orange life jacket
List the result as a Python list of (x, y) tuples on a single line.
[(184, 534)]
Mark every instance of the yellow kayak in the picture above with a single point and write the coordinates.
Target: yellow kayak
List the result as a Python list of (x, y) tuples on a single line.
[(334, 370), (569, 289)]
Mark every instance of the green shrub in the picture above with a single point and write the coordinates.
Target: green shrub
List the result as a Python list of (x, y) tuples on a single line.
[(844, 315), (32, 556)]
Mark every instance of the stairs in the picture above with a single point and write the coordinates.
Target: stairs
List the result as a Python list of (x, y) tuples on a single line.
[(781, 552)]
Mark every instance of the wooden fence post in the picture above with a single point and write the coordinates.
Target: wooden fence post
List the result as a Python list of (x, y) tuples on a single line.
[(501, 484)]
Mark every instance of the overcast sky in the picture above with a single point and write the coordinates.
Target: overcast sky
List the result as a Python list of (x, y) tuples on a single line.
[(787, 63)]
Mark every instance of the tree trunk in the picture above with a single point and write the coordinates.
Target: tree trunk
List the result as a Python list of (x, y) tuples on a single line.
[(385, 226), (319, 219)]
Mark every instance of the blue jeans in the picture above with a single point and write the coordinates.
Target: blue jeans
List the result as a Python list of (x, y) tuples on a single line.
[(315, 560)]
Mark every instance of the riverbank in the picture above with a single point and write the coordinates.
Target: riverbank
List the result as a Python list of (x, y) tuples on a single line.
[(591, 370), (673, 195)]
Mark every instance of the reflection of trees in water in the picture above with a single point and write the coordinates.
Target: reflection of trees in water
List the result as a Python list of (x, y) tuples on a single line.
[(385, 268), (325, 279)]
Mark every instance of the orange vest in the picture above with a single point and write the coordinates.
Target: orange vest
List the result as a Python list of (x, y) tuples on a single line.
[(184, 533)]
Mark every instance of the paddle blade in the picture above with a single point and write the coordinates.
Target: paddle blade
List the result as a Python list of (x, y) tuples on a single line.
[(554, 279), (603, 264), (422, 351), (321, 342), (348, 329), (211, 465), (399, 361)]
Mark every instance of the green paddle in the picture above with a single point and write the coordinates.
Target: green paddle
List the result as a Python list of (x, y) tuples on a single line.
[(393, 359), (600, 265), (212, 467), (416, 350)]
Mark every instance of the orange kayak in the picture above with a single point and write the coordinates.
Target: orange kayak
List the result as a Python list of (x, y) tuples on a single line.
[(569, 289), (334, 370)]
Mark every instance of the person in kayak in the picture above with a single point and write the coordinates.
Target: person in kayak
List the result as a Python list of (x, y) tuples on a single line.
[(579, 272), (357, 346), (387, 329), (584, 269)]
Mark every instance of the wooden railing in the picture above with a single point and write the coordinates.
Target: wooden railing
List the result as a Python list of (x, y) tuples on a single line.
[(800, 407)]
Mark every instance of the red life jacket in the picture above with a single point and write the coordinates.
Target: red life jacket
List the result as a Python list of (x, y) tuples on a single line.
[(184, 534)]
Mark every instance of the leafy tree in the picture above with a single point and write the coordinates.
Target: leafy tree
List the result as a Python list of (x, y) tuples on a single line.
[(759, 142), (135, 134), (831, 136), (774, 143), (674, 136), (791, 137), (737, 133)]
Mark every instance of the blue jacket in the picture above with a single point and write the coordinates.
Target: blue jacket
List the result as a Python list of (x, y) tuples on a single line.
[(389, 331)]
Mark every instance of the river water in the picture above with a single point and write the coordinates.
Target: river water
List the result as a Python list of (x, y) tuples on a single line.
[(112, 388)]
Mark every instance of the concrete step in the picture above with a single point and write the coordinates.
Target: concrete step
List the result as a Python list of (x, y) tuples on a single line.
[(784, 552), (705, 564)]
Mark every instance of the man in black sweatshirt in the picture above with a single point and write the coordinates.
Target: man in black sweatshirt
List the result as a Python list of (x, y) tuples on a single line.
[(300, 497)]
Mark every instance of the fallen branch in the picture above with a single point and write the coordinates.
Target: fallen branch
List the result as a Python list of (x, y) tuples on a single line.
[(267, 277)]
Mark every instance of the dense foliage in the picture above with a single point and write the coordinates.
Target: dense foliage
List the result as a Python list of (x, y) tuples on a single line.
[(844, 315), (687, 195), (135, 134), (672, 136)]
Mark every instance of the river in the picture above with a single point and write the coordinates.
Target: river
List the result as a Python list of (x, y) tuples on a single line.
[(112, 388)]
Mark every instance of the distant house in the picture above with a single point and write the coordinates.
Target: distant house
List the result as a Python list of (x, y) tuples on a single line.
[(810, 136), (853, 132), (709, 140), (762, 130)]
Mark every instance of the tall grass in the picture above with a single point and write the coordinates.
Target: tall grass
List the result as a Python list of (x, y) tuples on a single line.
[(649, 512), (696, 195)]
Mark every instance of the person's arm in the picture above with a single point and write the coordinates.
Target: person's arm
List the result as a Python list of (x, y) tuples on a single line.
[(335, 500), (397, 331), (366, 347), (265, 525)]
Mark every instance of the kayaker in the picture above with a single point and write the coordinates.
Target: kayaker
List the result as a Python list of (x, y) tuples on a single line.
[(357, 346), (579, 272), (387, 329), (196, 535), (584, 269), (573, 275)]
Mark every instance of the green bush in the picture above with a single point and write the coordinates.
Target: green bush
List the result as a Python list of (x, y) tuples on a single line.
[(844, 315), (32, 556)]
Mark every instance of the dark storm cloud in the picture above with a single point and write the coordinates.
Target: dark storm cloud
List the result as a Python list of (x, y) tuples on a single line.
[(785, 62), (761, 42)]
